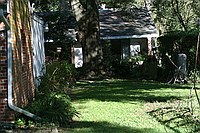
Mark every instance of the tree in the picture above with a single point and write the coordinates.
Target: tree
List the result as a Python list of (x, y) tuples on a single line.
[(86, 14), (196, 7), (58, 17), (171, 15), (87, 17), (46, 5)]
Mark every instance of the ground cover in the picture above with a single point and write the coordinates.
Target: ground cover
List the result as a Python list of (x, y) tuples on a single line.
[(126, 106)]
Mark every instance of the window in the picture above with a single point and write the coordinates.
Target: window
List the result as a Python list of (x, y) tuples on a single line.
[(134, 49)]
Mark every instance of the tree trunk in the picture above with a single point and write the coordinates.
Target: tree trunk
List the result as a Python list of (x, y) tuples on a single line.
[(88, 20)]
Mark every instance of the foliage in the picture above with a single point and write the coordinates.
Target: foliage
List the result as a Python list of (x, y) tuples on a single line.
[(107, 54), (133, 67), (172, 15), (175, 43), (85, 14), (137, 58), (23, 123), (196, 7), (46, 5), (112, 61), (54, 108), (20, 122), (60, 76), (123, 3), (194, 76), (59, 26), (169, 15), (51, 102), (59, 22)]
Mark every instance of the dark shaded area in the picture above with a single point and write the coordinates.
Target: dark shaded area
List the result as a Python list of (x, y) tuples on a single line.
[(122, 91), (94, 127), (105, 127), (59, 35), (174, 43)]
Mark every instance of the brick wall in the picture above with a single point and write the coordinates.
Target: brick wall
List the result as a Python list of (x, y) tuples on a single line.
[(23, 86), (5, 113)]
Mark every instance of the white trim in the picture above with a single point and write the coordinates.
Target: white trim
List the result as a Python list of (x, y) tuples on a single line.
[(127, 37)]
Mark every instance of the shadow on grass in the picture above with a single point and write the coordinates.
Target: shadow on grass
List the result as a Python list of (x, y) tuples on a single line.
[(179, 120), (125, 90), (105, 127)]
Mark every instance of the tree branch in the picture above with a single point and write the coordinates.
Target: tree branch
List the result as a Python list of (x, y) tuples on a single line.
[(176, 9)]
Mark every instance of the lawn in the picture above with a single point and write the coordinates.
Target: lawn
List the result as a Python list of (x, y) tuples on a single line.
[(125, 106)]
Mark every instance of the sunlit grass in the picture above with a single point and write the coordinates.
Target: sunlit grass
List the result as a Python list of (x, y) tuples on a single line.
[(121, 106)]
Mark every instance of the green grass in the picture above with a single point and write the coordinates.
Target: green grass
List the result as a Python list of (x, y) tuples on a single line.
[(125, 106)]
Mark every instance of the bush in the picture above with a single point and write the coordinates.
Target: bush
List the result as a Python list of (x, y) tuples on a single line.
[(54, 108), (60, 77), (51, 102), (175, 43)]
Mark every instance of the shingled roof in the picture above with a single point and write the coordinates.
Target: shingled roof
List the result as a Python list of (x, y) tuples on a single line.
[(131, 23)]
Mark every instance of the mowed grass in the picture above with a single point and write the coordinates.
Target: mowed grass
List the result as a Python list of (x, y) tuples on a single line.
[(123, 106)]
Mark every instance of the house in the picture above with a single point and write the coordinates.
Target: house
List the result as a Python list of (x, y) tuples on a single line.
[(21, 57), (130, 32)]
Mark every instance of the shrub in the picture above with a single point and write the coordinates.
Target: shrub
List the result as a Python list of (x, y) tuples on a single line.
[(60, 77), (51, 102), (54, 108), (175, 43)]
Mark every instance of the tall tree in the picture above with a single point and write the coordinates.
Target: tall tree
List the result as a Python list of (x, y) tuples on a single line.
[(87, 16), (173, 15)]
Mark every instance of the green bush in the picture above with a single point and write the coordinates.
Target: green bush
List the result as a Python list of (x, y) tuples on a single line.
[(54, 108), (52, 103), (59, 77), (175, 43)]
